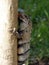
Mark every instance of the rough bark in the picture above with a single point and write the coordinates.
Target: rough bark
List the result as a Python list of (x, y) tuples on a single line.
[(8, 39)]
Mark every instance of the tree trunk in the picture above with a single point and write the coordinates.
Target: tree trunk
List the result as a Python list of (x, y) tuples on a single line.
[(8, 39)]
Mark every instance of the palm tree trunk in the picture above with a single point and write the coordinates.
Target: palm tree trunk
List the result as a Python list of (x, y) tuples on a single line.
[(8, 39)]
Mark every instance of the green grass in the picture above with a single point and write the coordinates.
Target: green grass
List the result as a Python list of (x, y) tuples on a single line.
[(38, 11)]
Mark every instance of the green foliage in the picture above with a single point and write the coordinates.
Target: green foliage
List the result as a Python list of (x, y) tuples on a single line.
[(38, 11)]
